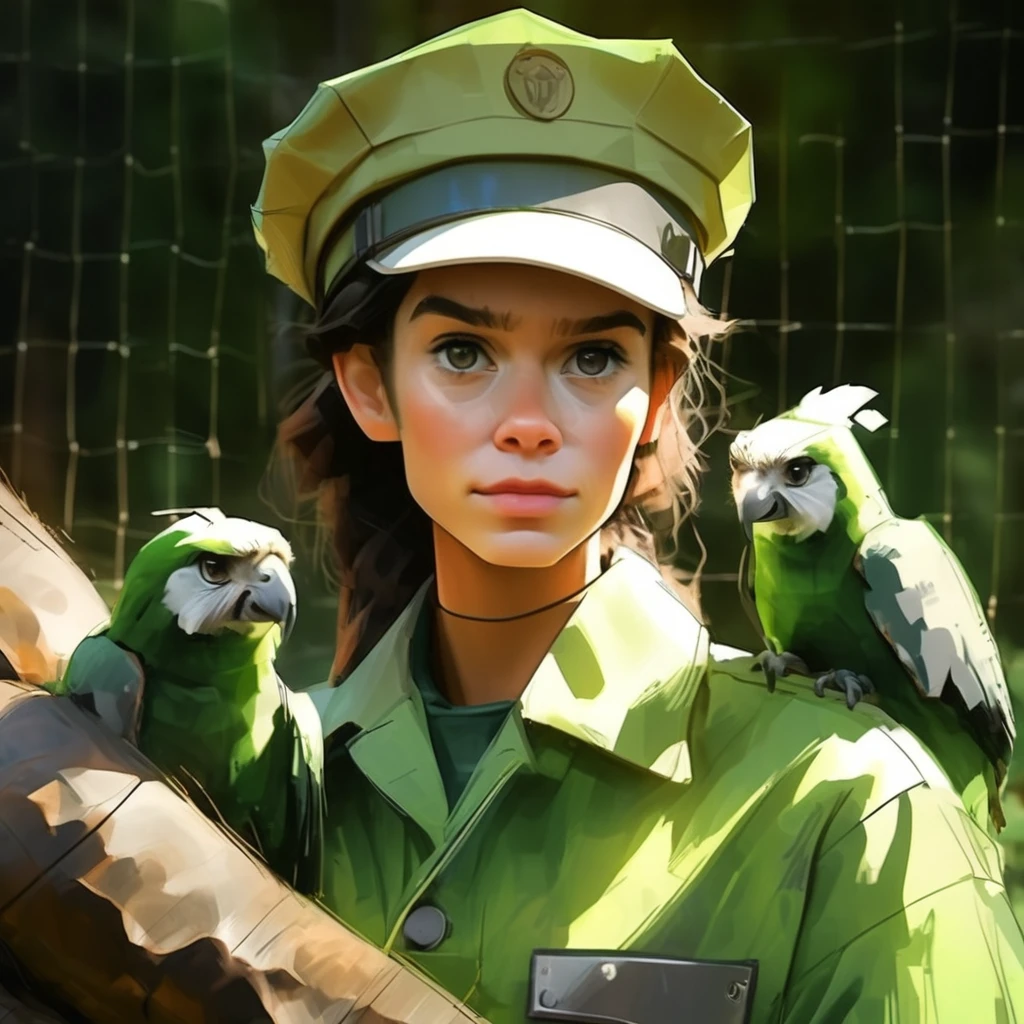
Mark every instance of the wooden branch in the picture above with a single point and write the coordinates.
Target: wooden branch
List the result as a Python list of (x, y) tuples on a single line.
[(118, 898), (47, 604)]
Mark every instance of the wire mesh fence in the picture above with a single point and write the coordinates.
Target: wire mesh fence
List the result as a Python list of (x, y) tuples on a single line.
[(143, 352)]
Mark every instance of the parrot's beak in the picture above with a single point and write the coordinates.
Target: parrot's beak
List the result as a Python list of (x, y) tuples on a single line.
[(272, 600), (755, 509)]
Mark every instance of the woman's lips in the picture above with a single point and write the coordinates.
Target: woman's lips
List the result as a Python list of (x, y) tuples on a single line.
[(510, 503), (524, 498)]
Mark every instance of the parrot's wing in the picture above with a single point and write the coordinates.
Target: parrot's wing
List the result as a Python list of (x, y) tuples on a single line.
[(922, 602), (308, 785), (108, 681)]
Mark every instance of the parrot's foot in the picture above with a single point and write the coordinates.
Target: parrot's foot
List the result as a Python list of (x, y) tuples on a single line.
[(850, 683), (775, 665)]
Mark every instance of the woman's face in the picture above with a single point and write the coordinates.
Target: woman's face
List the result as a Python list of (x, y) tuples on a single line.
[(510, 379), (520, 394)]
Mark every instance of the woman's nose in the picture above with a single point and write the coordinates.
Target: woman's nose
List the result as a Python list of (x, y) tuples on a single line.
[(527, 425)]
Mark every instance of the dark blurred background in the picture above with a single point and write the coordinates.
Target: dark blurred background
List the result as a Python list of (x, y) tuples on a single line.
[(144, 354)]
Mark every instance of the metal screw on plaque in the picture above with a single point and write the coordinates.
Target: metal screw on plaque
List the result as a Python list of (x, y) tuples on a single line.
[(736, 990), (548, 1000)]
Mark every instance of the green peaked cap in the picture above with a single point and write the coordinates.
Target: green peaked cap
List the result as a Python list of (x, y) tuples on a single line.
[(635, 107)]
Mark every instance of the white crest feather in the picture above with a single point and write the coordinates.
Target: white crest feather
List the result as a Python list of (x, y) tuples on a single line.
[(870, 419), (211, 515), (835, 407)]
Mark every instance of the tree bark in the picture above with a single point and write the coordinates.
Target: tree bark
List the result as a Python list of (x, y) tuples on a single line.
[(47, 604), (119, 899)]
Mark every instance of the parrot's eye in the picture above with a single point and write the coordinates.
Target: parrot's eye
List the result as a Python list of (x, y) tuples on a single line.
[(214, 569), (798, 471)]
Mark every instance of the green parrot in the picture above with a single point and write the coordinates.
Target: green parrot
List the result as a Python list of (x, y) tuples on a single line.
[(866, 602), (185, 671)]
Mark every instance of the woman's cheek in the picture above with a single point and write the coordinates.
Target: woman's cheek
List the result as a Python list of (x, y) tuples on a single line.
[(434, 441), (631, 414), (614, 441), (612, 455), (431, 424)]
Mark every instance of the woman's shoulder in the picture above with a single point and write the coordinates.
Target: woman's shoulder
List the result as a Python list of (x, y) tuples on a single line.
[(739, 684), (816, 748)]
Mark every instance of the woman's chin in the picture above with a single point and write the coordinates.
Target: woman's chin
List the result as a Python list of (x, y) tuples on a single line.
[(522, 549)]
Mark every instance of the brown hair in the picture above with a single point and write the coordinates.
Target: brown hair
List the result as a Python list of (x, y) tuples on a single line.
[(369, 535)]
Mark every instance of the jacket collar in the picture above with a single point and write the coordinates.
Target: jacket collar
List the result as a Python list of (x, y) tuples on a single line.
[(621, 676)]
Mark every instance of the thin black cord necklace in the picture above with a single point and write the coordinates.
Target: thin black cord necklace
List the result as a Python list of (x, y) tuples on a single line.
[(510, 618)]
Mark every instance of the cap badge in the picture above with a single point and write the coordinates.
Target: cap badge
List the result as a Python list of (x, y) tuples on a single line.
[(539, 84)]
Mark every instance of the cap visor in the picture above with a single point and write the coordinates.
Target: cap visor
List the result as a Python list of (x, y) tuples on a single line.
[(558, 241)]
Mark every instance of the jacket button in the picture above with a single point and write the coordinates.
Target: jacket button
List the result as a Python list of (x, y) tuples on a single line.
[(425, 928)]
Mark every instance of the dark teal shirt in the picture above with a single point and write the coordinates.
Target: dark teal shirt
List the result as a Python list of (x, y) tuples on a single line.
[(460, 735)]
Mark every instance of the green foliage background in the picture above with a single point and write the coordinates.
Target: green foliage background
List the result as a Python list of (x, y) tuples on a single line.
[(144, 354)]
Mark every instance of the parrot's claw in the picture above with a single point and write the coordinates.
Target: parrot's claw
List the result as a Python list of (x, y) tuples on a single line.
[(775, 665), (855, 686)]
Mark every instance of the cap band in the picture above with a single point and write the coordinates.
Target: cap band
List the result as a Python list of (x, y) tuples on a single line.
[(462, 190)]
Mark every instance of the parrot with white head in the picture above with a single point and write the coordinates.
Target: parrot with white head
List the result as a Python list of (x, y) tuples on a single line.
[(864, 601), (185, 671)]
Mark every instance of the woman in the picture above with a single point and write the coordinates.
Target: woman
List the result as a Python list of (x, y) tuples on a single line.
[(544, 789)]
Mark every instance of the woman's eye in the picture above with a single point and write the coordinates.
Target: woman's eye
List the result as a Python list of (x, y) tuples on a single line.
[(798, 471), (595, 361), (461, 356), (214, 569)]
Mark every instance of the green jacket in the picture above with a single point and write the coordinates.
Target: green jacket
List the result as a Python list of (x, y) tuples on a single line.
[(647, 797)]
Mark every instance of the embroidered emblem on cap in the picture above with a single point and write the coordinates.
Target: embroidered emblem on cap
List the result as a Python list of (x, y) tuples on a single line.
[(539, 84)]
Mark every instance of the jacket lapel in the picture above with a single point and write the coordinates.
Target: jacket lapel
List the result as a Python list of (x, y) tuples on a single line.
[(623, 673), (621, 676), (392, 748)]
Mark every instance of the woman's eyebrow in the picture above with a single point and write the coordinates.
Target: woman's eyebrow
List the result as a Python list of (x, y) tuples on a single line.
[(442, 306), (599, 324)]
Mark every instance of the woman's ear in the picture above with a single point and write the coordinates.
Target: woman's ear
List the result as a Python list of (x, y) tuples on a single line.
[(669, 366), (362, 385)]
